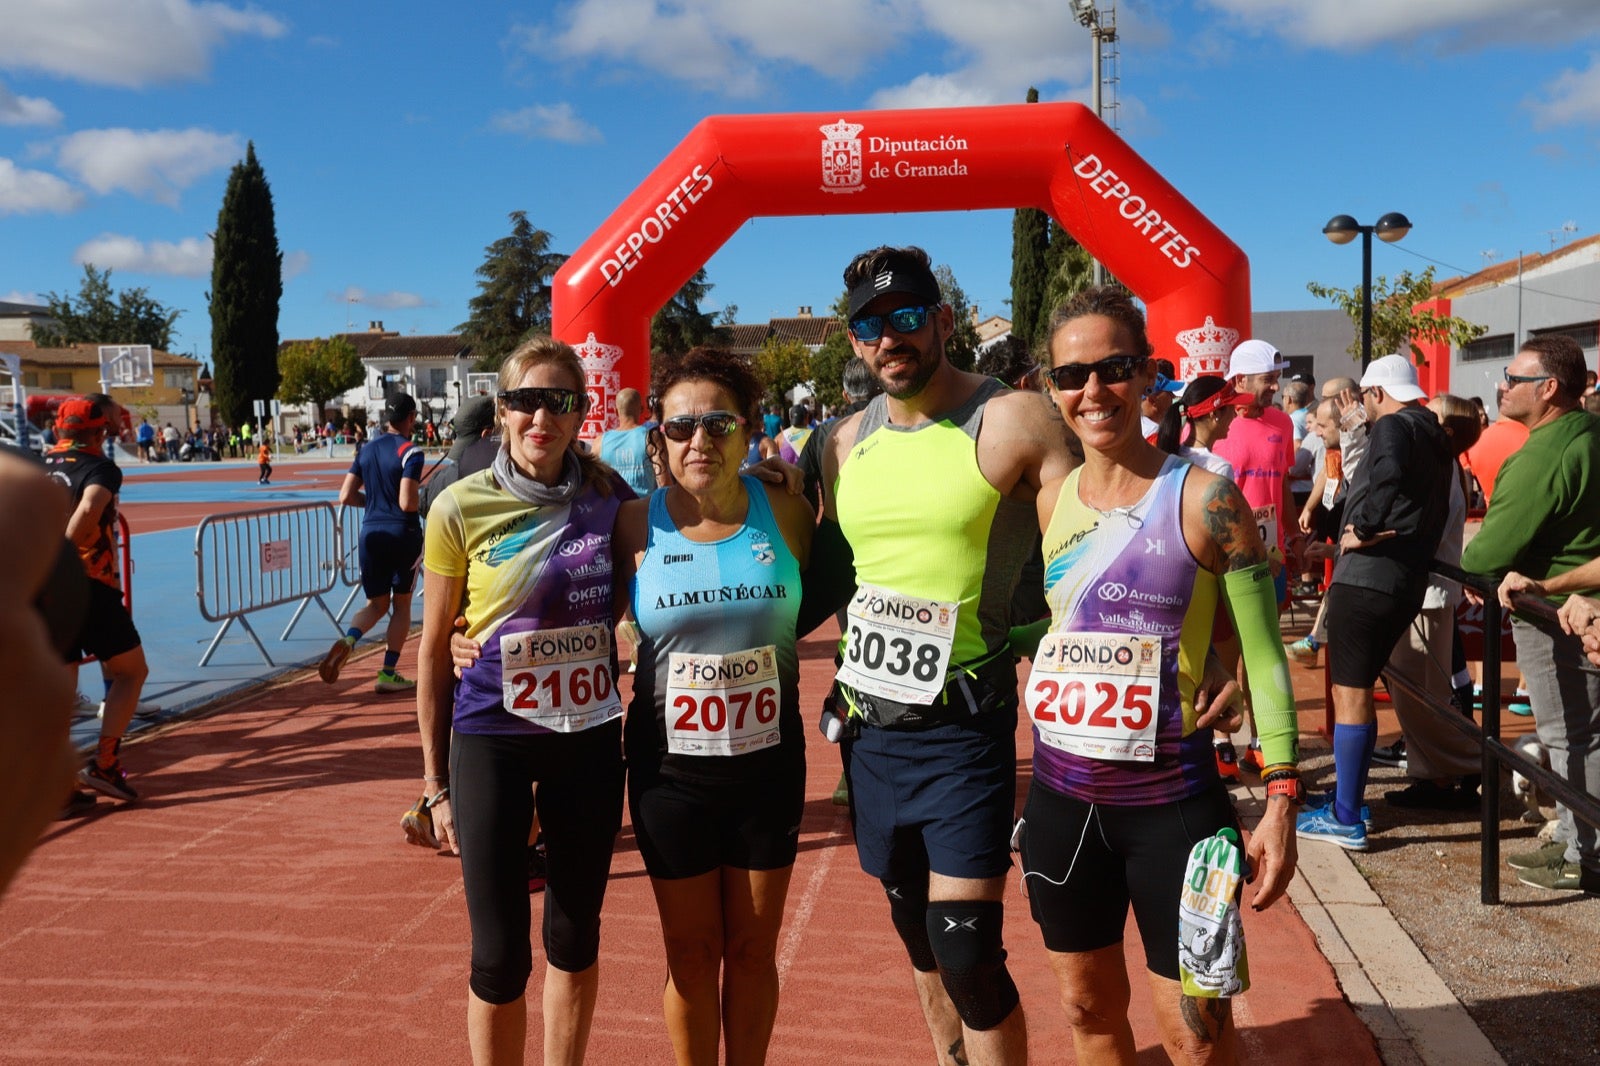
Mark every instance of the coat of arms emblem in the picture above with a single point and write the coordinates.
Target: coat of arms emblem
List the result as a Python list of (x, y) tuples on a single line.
[(841, 157)]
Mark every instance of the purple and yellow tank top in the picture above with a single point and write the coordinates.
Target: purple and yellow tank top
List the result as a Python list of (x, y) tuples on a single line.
[(1122, 584)]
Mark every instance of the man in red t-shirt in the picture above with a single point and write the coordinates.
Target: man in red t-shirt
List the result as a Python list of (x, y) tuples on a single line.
[(1260, 445), (1260, 442)]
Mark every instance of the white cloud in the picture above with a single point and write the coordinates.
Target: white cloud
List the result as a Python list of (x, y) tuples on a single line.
[(26, 192), (1455, 24), (548, 122), (187, 258), (388, 301), (950, 54), (128, 43), (17, 296), (153, 164), (26, 110), (296, 263), (726, 46), (1573, 96)]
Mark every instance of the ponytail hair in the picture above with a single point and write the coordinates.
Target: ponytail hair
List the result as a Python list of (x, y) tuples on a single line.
[(1199, 398)]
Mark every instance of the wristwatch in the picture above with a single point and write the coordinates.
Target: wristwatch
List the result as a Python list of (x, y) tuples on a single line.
[(1290, 785)]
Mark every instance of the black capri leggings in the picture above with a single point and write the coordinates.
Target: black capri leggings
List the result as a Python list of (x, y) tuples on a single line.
[(580, 810)]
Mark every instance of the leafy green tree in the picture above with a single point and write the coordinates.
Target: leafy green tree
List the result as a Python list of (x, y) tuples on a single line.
[(1069, 269), (827, 362), (246, 286), (681, 325), (729, 315), (781, 364), (1030, 247), (514, 286), (99, 316), (313, 372), (1397, 322), (961, 347)]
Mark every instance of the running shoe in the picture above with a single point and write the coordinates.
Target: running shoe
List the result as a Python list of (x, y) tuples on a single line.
[(1227, 761), (1562, 877), (108, 779), (79, 803), (418, 824), (1391, 754), (84, 707), (1554, 852), (538, 870), (1519, 704), (1320, 824), (1317, 801), (333, 662), (1304, 651), (1253, 760), (391, 681)]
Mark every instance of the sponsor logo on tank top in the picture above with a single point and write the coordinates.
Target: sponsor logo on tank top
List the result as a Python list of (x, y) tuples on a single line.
[(668, 560)]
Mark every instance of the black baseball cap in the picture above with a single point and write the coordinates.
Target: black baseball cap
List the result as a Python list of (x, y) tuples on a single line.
[(906, 275), (399, 407)]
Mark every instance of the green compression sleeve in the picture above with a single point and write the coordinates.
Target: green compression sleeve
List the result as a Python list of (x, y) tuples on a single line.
[(1253, 606), (1024, 640)]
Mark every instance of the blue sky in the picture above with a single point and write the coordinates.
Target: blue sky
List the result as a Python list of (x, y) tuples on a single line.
[(397, 137)]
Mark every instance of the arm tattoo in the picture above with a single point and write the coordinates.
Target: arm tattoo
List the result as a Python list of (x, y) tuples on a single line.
[(1231, 524), (1206, 1018)]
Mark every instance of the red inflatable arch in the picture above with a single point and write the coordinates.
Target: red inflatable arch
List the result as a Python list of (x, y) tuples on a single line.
[(1060, 158)]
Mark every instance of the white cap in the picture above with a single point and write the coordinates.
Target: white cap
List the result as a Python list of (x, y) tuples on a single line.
[(1396, 375), (1255, 357)]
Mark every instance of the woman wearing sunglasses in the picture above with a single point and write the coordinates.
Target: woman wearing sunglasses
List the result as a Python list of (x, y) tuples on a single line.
[(1139, 546), (523, 549), (716, 759)]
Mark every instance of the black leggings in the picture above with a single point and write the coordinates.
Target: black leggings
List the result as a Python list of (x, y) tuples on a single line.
[(580, 810)]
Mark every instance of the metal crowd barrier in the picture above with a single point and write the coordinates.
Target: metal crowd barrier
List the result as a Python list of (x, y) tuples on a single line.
[(248, 561), (1495, 753)]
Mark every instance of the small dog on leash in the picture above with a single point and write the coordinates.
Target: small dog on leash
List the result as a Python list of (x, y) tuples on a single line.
[(1537, 807)]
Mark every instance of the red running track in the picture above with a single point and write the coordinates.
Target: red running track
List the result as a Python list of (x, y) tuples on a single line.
[(259, 905)]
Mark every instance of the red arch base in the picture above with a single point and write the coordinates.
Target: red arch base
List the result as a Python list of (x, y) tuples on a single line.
[(1060, 158)]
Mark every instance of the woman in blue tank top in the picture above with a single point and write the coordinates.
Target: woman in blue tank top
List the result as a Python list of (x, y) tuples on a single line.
[(716, 758)]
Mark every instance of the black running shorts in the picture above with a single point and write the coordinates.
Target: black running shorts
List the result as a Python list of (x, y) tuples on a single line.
[(108, 628), (689, 828), (389, 561), (1363, 627), (1083, 864)]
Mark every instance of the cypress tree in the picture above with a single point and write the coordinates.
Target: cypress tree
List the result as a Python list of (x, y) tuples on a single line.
[(1030, 240), (246, 285)]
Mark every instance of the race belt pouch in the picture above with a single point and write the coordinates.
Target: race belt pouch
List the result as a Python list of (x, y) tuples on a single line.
[(990, 686)]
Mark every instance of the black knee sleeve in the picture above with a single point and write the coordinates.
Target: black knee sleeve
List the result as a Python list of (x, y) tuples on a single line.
[(966, 940), (908, 909)]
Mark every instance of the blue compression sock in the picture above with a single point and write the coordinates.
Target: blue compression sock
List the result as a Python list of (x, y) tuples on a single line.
[(353, 633), (1352, 759), (391, 659)]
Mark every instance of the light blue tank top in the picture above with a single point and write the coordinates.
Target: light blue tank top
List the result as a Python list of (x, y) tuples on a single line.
[(627, 452), (739, 593)]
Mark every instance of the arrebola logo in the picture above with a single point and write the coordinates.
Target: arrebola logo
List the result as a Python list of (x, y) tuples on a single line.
[(1113, 592)]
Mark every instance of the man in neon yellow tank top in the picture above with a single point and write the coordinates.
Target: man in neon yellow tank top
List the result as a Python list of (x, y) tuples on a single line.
[(931, 489)]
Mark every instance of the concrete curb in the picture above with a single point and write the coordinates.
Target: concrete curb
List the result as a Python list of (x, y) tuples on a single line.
[(1394, 990)]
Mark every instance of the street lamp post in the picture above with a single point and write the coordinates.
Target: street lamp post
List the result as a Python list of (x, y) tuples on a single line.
[(1100, 34), (1342, 229)]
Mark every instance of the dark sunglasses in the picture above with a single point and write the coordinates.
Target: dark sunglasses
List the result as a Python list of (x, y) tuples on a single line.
[(1523, 379), (527, 401), (1070, 377), (905, 320), (716, 424)]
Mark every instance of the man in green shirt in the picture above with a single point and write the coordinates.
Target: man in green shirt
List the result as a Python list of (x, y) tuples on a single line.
[(1543, 524)]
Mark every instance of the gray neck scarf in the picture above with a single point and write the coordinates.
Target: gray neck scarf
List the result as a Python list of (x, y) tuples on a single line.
[(532, 491)]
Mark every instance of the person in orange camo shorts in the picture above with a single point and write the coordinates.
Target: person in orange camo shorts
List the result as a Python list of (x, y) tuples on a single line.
[(264, 461)]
